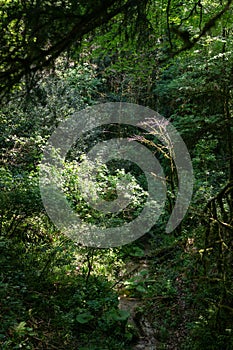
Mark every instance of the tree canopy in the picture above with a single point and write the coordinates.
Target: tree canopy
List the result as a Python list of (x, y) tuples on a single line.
[(35, 33)]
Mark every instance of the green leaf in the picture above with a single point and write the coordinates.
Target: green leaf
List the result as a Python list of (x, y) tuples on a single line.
[(141, 289), (119, 315), (144, 272), (84, 318), (137, 252)]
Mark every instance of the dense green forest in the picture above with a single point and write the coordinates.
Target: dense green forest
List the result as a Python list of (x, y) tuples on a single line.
[(164, 290)]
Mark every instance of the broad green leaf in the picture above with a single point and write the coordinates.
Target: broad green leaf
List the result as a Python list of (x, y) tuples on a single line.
[(84, 318)]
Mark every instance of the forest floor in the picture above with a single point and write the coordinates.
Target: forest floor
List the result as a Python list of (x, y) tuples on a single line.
[(143, 320), (145, 339)]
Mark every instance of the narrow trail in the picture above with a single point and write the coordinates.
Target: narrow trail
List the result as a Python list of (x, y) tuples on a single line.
[(146, 337), (146, 334)]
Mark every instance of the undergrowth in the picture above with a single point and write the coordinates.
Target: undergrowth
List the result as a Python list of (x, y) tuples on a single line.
[(52, 299)]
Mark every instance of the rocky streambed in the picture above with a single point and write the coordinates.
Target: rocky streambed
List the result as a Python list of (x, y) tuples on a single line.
[(145, 332), (145, 339)]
